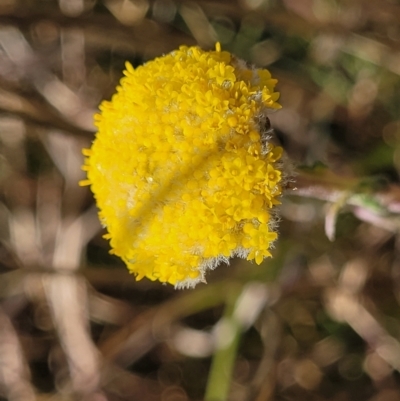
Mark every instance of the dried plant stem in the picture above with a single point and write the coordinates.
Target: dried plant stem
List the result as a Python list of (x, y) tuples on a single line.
[(67, 297), (370, 199), (14, 371), (139, 335)]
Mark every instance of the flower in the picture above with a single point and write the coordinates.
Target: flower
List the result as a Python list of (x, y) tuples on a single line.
[(182, 169)]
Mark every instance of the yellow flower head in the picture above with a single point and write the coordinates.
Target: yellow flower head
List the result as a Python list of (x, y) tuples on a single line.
[(181, 167)]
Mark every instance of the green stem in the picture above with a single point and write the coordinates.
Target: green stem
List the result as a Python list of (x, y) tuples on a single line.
[(228, 337)]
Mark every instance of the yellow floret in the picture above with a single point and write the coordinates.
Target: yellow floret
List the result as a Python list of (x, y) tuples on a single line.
[(181, 168)]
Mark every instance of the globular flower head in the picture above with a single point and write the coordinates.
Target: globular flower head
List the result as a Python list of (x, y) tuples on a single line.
[(182, 168)]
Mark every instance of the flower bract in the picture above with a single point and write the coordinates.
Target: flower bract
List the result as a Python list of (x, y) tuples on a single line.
[(182, 169)]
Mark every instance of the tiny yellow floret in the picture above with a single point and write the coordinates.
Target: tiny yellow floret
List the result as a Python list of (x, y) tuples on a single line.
[(182, 169)]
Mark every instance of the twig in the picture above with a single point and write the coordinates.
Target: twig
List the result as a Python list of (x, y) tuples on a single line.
[(371, 201), (14, 371), (138, 336)]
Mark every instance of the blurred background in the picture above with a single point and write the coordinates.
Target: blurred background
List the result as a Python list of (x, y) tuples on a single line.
[(318, 321)]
